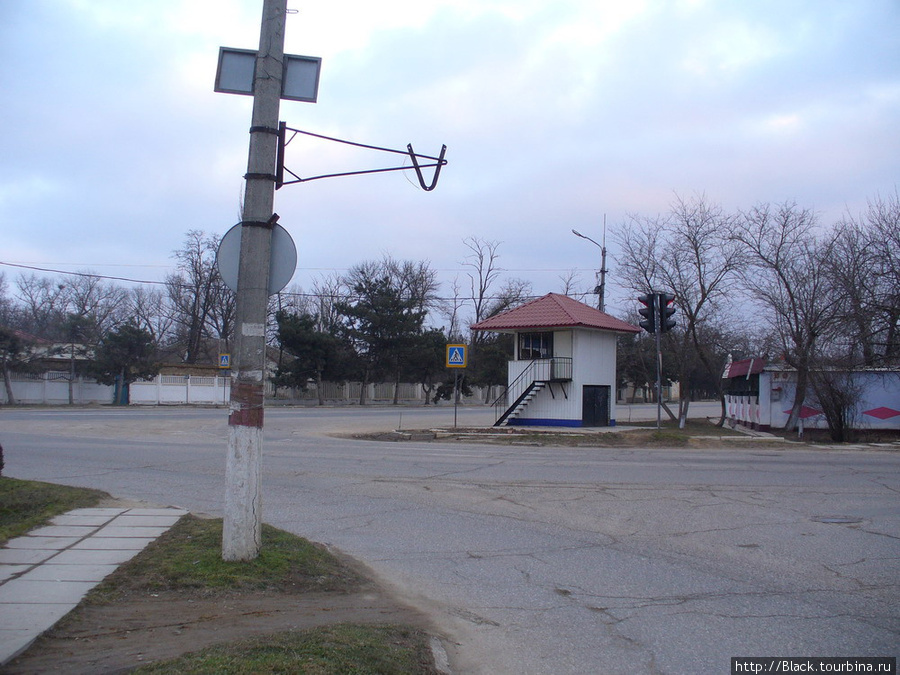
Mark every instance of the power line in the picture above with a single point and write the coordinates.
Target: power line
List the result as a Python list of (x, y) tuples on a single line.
[(299, 269), (293, 294), (89, 275)]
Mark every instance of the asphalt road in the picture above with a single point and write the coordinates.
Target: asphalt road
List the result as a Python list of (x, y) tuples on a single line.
[(540, 559)]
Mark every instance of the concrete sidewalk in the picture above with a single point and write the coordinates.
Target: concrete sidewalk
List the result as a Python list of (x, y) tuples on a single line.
[(45, 573)]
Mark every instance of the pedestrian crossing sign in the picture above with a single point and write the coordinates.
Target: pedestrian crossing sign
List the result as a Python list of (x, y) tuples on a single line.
[(224, 360), (457, 356)]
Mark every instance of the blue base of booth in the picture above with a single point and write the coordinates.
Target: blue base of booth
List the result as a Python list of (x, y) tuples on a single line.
[(536, 422)]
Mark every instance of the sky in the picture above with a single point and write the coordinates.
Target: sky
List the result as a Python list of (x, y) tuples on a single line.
[(556, 114)]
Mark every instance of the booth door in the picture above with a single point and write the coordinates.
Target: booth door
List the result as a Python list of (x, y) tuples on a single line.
[(595, 406)]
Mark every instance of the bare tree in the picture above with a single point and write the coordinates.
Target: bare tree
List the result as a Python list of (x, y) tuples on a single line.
[(883, 225), (222, 313), (510, 295), (416, 281), (43, 302), (640, 245), (688, 252), (7, 307), (328, 292), (451, 309), (194, 290), (101, 303), (75, 312), (853, 267), (152, 312), (864, 266), (571, 281), (15, 353), (482, 261), (788, 277), (294, 300), (837, 395)]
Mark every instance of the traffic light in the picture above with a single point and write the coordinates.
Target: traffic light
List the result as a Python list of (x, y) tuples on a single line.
[(666, 323), (648, 311)]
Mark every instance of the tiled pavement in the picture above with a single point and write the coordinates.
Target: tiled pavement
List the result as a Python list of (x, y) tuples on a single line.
[(45, 573)]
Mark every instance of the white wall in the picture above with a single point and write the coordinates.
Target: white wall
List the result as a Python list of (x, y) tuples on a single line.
[(593, 354), (181, 389), (776, 396), (52, 388)]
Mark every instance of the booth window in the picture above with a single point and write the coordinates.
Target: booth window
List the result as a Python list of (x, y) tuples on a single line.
[(535, 346)]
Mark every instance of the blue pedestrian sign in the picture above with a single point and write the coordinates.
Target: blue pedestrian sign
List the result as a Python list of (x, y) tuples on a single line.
[(457, 356), (224, 360)]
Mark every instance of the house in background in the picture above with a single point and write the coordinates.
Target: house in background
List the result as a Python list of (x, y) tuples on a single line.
[(563, 371)]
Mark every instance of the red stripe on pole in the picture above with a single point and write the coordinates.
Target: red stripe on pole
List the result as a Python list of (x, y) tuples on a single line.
[(249, 401)]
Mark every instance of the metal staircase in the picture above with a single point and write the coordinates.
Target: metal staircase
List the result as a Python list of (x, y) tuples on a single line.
[(540, 373), (513, 411)]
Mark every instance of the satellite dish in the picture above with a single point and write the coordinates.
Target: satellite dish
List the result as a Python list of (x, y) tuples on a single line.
[(282, 263)]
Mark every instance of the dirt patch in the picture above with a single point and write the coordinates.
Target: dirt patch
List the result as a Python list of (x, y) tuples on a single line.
[(144, 628), (702, 436), (698, 436)]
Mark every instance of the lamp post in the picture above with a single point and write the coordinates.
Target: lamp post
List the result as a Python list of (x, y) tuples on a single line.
[(600, 289)]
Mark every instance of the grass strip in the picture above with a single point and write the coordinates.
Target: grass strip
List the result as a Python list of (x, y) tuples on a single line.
[(189, 558), (339, 649), (27, 504)]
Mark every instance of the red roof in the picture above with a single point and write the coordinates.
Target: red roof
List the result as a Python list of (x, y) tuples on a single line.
[(554, 311), (28, 337), (745, 368)]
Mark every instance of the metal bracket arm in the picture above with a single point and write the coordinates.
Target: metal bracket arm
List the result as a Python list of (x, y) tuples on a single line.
[(284, 140), (437, 172)]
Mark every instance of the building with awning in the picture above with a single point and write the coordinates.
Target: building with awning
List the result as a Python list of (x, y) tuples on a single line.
[(759, 395)]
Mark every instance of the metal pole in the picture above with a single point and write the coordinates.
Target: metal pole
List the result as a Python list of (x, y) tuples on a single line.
[(455, 396), (657, 308), (600, 289), (243, 514), (601, 296), (658, 381)]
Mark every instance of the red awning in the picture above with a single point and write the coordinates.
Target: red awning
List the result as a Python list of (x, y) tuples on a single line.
[(746, 367)]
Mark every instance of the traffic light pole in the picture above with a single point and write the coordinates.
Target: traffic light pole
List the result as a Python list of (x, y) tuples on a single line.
[(657, 319), (658, 379), (243, 514)]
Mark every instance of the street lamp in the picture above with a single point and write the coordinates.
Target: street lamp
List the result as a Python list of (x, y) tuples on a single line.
[(600, 290)]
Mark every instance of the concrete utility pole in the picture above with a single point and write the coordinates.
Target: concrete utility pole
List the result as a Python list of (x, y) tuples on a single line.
[(600, 288), (243, 513)]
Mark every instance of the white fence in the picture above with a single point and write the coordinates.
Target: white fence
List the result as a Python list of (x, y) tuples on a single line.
[(52, 388), (348, 392), (181, 390)]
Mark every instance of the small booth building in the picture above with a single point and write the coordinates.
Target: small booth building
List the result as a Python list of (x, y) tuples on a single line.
[(563, 371)]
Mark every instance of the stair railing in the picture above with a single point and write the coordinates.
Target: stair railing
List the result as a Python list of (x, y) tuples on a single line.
[(557, 368), (514, 390)]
